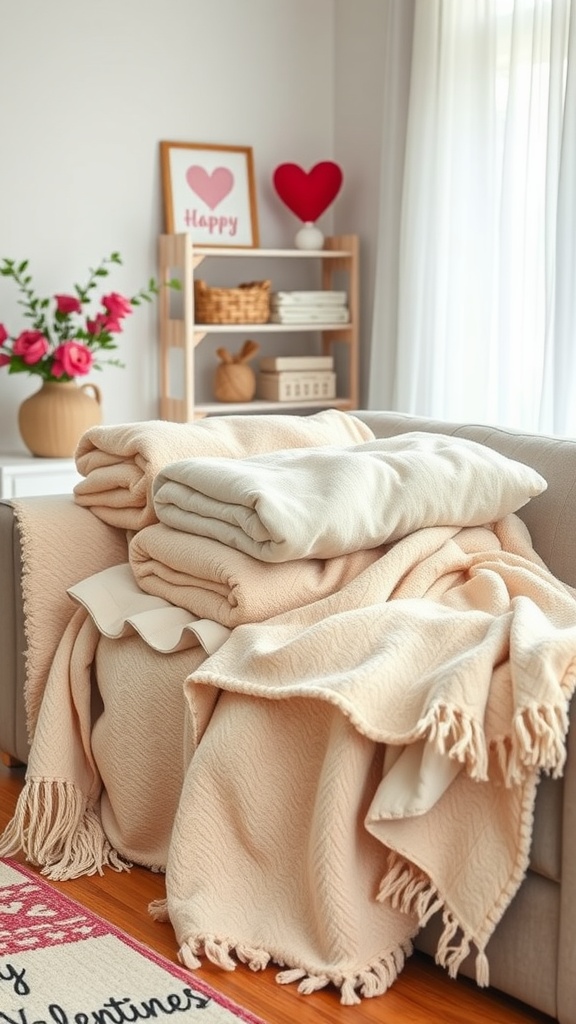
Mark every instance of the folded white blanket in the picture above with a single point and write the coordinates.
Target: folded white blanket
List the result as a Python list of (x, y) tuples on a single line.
[(326, 502)]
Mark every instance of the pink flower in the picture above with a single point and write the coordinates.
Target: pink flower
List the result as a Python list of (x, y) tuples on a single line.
[(116, 305), (101, 323), (3, 334), (31, 346), (96, 325), (4, 360), (68, 304), (113, 325), (73, 359)]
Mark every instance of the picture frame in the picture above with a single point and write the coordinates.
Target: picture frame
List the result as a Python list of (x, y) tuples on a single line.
[(209, 191)]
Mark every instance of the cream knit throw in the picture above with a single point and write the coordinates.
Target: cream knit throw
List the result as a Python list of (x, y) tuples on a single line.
[(297, 840), (217, 582), (344, 771), (119, 462), (330, 501)]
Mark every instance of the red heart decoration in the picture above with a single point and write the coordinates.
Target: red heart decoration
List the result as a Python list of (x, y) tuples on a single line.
[(308, 194)]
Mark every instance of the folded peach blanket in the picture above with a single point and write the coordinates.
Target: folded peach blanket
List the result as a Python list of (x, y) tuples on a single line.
[(456, 648), (119, 462), (216, 582)]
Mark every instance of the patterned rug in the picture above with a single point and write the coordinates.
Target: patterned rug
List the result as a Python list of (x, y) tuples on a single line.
[(60, 964)]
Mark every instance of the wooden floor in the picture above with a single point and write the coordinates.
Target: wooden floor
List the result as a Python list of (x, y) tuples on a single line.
[(423, 994)]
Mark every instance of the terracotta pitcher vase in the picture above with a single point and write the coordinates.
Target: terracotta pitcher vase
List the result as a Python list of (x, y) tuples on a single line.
[(53, 419)]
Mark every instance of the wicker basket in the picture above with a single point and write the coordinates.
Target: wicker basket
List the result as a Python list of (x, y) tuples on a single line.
[(247, 304)]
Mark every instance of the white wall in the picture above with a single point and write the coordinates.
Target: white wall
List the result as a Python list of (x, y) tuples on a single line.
[(358, 102), (90, 88)]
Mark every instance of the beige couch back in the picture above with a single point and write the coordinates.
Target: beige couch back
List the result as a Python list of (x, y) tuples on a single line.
[(551, 517)]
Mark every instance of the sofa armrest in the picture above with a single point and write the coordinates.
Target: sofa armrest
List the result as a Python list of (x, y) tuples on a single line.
[(567, 929), (13, 734), (46, 545)]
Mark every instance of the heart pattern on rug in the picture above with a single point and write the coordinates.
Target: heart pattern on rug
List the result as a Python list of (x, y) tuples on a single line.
[(16, 906), (11, 908), (40, 910), (210, 188), (108, 972), (308, 193)]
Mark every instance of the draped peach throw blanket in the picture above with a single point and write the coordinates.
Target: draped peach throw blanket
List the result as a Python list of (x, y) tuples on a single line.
[(345, 769), (378, 751)]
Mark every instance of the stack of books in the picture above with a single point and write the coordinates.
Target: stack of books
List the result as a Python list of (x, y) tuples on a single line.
[(323, 307), (296, 378)]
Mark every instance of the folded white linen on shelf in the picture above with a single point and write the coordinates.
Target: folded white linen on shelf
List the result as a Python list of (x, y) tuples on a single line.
[(311, 314), (308, 298)]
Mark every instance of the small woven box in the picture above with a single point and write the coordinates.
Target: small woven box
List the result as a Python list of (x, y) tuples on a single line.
[(247, 304)]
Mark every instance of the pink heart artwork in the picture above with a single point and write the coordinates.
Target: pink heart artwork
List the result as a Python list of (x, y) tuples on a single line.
[(210, 188), (308, 193)]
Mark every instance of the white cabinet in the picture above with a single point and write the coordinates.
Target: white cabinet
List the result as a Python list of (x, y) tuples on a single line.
[(180, 335), (23, 476)]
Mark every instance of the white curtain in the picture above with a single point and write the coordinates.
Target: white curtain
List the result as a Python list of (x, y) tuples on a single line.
[(483, 308)]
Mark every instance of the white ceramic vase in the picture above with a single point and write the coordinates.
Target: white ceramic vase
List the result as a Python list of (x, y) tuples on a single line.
[(309, 237)]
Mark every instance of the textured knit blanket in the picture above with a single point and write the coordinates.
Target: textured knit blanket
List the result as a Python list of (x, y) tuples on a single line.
[(330, 501), (119, 462), (103, 779), (330, 777), (216, 582), (372, 760)]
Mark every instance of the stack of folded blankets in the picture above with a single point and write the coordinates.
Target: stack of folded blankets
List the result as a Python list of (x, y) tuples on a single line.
[(309, 307), (375, 669)]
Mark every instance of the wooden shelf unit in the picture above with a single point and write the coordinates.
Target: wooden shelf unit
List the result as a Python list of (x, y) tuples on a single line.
[(179, 257)]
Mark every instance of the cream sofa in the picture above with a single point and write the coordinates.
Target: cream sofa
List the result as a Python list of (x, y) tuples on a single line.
[(532, 953)]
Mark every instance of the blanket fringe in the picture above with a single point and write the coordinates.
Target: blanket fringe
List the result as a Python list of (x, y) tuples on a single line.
[(58, 832), (219, 952), (538, 742), (158, 910), (257, 959), (458, 737), (410, 890), (375, 979), (452, 956), (372, 980), (540, 739), (188, 954)]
